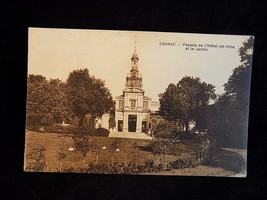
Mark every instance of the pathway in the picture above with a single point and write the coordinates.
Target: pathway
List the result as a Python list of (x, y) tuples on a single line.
[(133, 135)]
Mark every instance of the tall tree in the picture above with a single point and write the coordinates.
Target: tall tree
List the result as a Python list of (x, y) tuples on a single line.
[(46, 101), (229, 116), (186, 101), (238, 84), (87, 94)]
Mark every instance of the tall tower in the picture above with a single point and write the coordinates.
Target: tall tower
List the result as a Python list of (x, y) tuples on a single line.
[(134, 78), (132, 113)]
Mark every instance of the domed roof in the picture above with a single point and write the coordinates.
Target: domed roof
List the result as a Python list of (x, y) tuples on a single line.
[(135, 55)]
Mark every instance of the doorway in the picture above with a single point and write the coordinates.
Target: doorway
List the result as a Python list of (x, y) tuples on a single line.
[(132, 123), (120, 125)]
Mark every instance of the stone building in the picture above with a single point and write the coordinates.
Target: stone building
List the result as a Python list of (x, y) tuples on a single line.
[(132, 108)]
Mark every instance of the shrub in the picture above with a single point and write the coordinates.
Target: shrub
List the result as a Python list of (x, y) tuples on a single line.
[(131, 168), (227, 160), (78, 130), (102, 132), (37, 158), (161, 148), (188, 136), (35, 128), (162, 129), (35, 166), (185, 161), (234, 163), (69, 170), (54, 129)]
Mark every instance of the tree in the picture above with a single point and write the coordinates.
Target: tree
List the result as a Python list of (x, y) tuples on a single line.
[(187, 101), (96, 148), (46, 101), (87, 94), (229, 115), (161, 131), (82, 144), (238, 84), (114, 147)]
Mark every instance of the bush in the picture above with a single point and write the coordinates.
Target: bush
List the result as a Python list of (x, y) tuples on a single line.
[(36, 158), (35, 166), (162, 129), (57, 128), (54, 129), (188, 136), (228, 160), (78, 130), (120, 168), (102, 132), (34, 128), (185, 161)]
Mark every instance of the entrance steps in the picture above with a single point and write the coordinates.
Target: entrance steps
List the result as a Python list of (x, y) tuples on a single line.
[(132, 135)]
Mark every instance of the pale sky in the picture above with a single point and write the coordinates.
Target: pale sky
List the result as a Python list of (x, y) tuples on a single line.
[(54, 53)]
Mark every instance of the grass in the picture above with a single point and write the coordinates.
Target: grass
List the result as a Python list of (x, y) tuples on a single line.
[(55, 143)]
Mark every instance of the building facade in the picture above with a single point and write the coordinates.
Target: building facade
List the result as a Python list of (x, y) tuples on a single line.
[(132, 108)]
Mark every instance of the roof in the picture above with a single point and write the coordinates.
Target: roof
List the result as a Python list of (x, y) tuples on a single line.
[(145, 97), (119, 97), (135, 55)]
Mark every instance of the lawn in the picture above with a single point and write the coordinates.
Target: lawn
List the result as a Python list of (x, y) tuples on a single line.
[(56, 143)]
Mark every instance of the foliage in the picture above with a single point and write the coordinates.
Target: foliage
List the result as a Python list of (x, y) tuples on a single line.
[(207, 148), (131, 168), (187, 136), (114, 147), (61, 156), (161, 148), (116, 143), (87, 94), (79, 131), (187, 101), (229, 115), (56, 128), (46, 101), (82, 144), (227, 160), (164, 133), (163, 129), (37, 157), (102, 132), (96, 148), (185, 161), (50, 102), (238, 84)]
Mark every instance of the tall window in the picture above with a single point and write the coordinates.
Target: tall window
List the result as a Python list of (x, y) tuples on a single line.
[(133, 103), (145, 104), (121, 103)]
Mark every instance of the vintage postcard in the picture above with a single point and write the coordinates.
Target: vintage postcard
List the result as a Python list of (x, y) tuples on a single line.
[(133, 102)]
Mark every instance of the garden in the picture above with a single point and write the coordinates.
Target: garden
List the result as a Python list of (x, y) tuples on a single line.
[(54, 152)]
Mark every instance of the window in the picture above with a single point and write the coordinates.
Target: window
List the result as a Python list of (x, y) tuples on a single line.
[(145, 104), (133, 103), (121, 103)]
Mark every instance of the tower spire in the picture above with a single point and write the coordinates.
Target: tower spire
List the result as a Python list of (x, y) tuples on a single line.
[(134, 78), (135, 44), (135, 55)]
